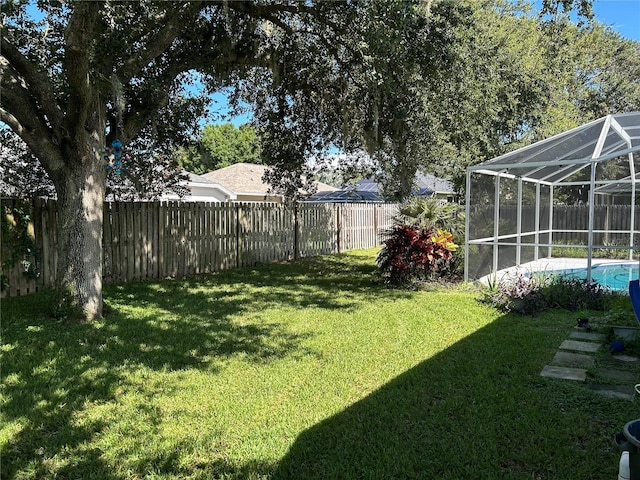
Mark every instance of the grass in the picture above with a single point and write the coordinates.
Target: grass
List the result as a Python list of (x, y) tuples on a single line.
[(304, 370)]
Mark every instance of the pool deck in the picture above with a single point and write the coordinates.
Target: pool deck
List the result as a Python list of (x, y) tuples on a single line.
[(550, 265)]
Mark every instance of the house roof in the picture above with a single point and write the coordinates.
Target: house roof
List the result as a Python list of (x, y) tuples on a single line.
[(424, 184), (324, 187), (198, 188), (201, 181), (345, 196), (368, 190), (428, 184), (364, 185), (247, 178), (193, 178), (240, 177)]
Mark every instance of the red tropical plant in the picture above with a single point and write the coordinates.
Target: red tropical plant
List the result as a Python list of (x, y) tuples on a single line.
[(412, 254)]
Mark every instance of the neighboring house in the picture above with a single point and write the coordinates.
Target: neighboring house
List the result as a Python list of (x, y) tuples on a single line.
[(202, 190), (362, 191), (428, 185), (368, 190), (244, 180)]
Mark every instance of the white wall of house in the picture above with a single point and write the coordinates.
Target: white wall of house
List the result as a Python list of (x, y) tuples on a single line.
[(203, 192)]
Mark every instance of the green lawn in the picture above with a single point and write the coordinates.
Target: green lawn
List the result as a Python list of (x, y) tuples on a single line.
[(304, 370)]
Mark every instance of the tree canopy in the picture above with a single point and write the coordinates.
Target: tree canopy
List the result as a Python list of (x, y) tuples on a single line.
[(77, 76)]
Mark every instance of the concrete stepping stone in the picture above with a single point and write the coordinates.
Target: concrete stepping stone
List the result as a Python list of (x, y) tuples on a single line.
[(624, 358), (564, 373), (624, 392), (590, 336), (579, 346), (623, 376), (569, 359), (615, 373)]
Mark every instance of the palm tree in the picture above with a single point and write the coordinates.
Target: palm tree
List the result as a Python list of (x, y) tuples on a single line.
[(432, 213)]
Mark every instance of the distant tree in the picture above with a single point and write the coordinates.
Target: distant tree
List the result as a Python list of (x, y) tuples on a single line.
[(608, 72), (523, 77), (494, 96), (219, 146), (556, 8), (595, 72)]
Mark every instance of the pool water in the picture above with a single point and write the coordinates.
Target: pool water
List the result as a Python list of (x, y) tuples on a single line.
[(616, 277)]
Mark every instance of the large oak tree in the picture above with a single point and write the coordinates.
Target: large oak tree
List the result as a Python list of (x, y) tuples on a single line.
[(74, 76)]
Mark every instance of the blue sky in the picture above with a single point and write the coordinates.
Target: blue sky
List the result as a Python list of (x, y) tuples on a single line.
[(622, 15)]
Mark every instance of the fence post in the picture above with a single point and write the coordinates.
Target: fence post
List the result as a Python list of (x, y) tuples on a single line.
[(296, 231), (238, 236), (376, 207), (38, 234), (606, 225), (338, 227), (162, 226)]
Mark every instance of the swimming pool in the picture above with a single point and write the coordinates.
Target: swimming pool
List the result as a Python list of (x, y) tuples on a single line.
[(614, 276)]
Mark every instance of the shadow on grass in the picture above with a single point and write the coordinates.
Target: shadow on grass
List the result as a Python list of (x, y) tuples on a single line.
[(327, 282), (477, 410), (51, 370)]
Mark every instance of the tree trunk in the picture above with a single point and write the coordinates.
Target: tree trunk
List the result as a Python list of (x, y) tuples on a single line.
[(81, 194)]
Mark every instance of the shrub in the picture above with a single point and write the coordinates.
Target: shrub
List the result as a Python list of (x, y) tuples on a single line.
[(575, 294), (413, 254), (520, 293), (17, 243), (529, 294)]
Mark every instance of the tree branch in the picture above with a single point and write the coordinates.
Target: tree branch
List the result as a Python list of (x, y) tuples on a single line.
[(196, 57), (260, 10), (78, 39), (39, 86), (17, 100), (13, 122), (158, 43), (197, 54), (16, 110), (269, 13)]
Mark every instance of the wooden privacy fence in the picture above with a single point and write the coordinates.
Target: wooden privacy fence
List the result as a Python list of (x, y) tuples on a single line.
[(570, 222), (174, 239)]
